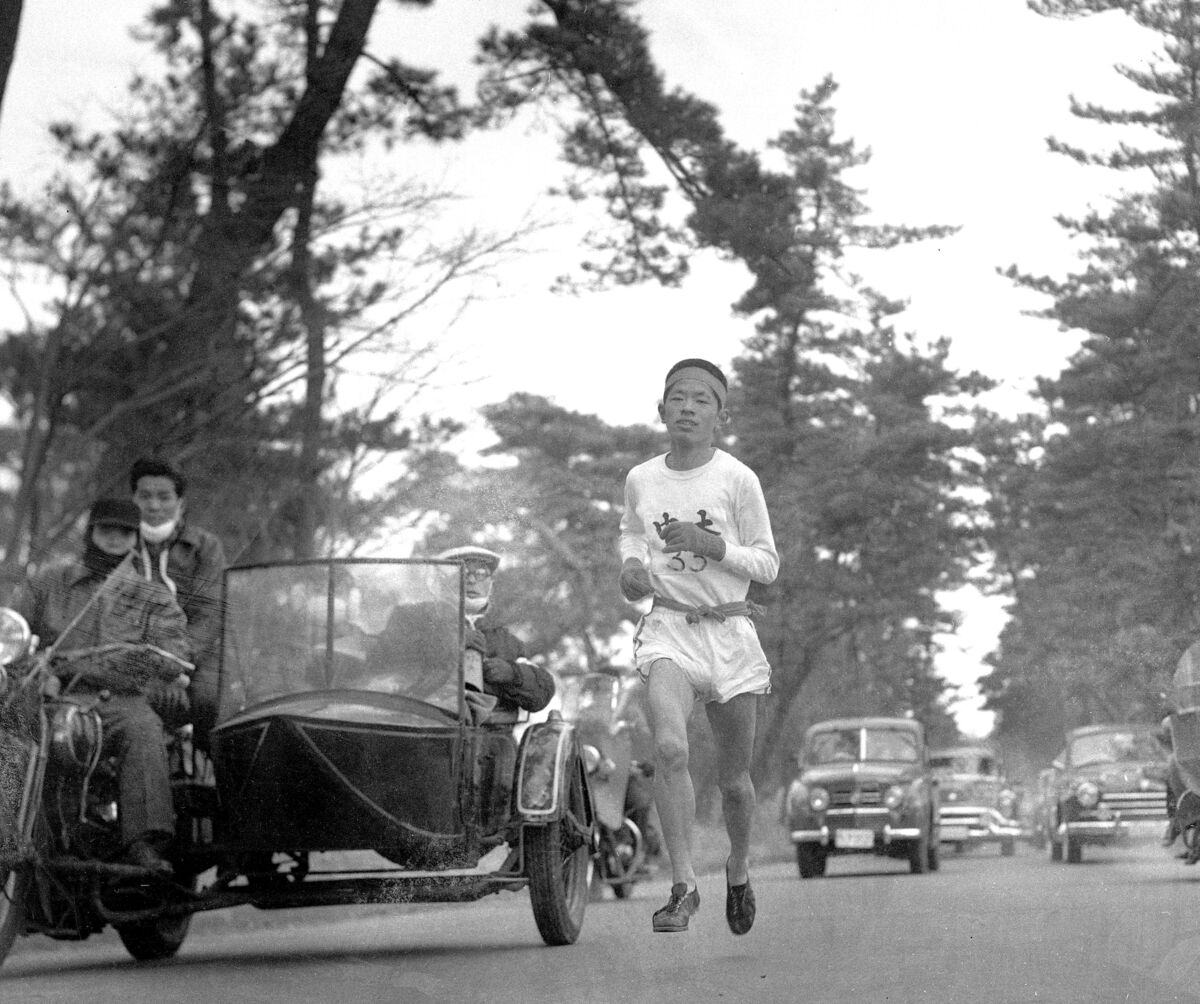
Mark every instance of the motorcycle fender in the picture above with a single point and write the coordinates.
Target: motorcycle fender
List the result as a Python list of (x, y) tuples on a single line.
[(544, 762)]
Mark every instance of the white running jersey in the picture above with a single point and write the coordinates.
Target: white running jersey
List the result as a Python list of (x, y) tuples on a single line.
[(722, 497)]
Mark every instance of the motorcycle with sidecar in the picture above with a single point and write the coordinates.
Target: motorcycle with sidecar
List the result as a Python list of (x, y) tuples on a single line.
[(355, 759)]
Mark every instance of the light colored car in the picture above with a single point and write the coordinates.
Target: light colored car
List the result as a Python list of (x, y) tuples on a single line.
[(1109, 779), (977, 804), (863, 787)]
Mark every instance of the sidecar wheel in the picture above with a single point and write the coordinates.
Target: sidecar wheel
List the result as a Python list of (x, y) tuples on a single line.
[(150, 940), (557, 859)]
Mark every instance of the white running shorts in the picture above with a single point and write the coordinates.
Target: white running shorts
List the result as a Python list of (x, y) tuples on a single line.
[(720, 659)]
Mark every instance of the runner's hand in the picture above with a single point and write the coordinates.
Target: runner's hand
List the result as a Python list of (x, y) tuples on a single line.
[(635, 581), (680, 536)]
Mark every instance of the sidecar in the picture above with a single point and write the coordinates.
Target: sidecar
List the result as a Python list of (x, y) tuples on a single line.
[(355, 759), (352, 725)]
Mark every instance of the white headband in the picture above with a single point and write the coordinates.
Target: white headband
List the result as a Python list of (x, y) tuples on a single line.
[(701, 374)]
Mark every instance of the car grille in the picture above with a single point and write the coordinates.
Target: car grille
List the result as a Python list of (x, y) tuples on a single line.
[(845, 796), (1136, 804)]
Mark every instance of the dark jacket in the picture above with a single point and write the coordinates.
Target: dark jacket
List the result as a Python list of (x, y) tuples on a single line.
[(195, 564), (531, 687), (415, 635), (130, 608)]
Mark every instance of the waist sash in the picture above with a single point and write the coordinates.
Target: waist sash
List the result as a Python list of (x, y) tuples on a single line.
[(696, 613)]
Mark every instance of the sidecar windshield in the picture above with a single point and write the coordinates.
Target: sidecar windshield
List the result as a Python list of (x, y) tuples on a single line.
[(385, 626)]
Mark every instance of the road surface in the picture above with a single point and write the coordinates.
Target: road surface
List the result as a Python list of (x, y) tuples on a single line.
[(1122, 926)]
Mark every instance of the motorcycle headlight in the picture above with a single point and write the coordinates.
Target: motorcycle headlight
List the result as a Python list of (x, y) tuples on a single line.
[(818, 799), (894, 796), (14, 636), (591, 759), (1087, 794)]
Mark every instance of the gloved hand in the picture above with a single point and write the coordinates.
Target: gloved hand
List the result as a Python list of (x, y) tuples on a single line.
[(476, 640), (681, 536), (498, 672), (170, 702), (635, 580)]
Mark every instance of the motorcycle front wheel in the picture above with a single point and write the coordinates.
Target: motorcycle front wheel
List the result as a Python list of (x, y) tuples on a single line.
[(19, 804)]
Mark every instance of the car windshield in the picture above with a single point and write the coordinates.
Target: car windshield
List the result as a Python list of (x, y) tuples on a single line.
[(963, 763), (1114, 747), (848, 745), (391, 627)]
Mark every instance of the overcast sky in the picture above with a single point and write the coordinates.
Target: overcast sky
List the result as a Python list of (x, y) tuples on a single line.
[(955, 99)]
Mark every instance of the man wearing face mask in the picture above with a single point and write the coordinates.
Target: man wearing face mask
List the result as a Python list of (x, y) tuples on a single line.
[(98, 599), (190, 562), (507, 674)]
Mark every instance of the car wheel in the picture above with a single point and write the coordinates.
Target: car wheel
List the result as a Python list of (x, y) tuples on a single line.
[(1074, 851), (1008, 847), (556, 859), (1056, 853), (811, 860), (934, 856), (918, 854)]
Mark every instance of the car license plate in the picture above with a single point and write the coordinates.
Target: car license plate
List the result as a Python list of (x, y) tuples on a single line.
[(954, 833), (854, 839)]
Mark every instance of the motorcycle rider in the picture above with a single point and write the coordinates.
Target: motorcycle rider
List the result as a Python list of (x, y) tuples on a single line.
[(101, 598)]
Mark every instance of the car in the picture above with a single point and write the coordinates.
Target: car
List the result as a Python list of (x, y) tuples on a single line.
[(864, 786), (355, 759), (977, 804), (1109, 781)]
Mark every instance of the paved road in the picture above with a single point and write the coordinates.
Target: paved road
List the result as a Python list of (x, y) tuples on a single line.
[(1122, 926)]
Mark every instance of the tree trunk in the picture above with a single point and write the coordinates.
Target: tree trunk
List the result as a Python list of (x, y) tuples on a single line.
[(10, 26)]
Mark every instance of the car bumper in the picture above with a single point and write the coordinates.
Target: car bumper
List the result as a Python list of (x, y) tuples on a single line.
[(826, 837), (977, 826), (1094, 831)]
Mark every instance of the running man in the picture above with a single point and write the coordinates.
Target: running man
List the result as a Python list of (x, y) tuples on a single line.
[(694, 534)]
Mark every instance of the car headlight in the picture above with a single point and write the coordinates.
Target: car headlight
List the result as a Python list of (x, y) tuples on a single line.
[(1087, 794), (14, 636), (818, 799), (894, 796), (1007, 800)]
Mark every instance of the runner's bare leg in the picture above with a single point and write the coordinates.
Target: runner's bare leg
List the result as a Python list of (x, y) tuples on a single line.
[(733, 726), (670, 700)]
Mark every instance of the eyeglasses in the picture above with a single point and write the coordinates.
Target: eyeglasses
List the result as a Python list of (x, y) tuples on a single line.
[(477, 574)]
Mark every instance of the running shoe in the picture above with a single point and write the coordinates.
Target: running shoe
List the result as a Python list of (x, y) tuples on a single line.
[(739, 906), (679, 909)]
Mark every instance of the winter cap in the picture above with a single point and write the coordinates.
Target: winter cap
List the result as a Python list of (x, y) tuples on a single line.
[(470, 552), (707, 373), (115, 512)]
